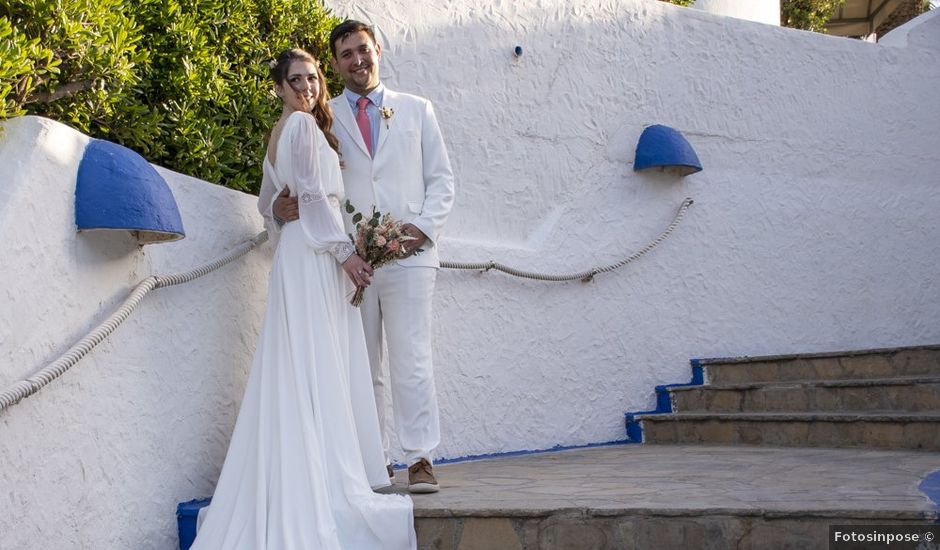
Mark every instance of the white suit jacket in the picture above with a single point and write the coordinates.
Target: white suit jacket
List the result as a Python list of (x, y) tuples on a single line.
[(410, 176)]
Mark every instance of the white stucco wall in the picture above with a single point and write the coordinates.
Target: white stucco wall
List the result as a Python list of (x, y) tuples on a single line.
[(814, 229), (100, 457), (921, 32), (762, 11)]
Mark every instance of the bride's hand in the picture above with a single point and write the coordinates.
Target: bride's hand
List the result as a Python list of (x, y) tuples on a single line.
[(359, 272)]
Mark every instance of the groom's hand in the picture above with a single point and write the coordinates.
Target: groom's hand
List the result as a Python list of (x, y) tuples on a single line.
[(420, 238), (285, 207)]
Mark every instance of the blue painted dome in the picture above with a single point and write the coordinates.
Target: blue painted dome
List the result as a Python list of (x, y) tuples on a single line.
[(664, 147), (117, 189)]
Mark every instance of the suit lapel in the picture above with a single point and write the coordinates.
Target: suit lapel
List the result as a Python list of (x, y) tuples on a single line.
[(343, 114), (389, 101)]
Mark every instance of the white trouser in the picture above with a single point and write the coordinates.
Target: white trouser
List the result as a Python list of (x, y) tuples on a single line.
[(399, 299)]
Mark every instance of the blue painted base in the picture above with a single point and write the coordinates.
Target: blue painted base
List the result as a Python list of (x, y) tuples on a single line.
[(468, 458), (186, 515), (930, 486), (663, 403)]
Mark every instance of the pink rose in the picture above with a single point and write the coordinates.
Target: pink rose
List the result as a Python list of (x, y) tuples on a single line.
[(393, 245), (380, 241)]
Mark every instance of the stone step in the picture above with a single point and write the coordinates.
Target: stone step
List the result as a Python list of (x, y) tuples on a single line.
[(871, 429), (666, 496), (849, 365), (908, 394)]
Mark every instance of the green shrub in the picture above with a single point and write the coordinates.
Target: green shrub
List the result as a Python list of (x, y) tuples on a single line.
[(809, 15), (182, 82)]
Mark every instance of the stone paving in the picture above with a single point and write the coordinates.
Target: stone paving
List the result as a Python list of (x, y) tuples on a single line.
[(652, 496)]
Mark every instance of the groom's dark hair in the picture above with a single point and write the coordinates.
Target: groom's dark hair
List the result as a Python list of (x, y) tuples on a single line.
[(346, 28)]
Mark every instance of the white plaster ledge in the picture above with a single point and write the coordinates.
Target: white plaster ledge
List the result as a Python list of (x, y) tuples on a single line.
[(921, 32)]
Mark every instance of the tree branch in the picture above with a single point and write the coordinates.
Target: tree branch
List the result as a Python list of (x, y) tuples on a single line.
[(62, 91)]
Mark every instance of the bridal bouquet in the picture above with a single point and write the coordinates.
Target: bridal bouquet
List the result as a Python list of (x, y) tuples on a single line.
[(379, 239)]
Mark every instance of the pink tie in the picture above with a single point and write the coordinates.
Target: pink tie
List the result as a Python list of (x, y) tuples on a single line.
[(362, 120)]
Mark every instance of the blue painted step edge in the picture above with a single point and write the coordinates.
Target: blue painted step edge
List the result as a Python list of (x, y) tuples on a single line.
[(930, 487), (663, 402), (186, 515)]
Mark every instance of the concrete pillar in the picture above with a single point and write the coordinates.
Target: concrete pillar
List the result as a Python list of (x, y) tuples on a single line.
[(762, 11)]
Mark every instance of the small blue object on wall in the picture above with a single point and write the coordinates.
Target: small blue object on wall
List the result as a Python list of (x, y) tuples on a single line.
[(187, 514), (118, 190), (665, 148)]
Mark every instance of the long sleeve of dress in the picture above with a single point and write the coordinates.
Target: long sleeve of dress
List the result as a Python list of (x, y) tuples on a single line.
[(321, 222), (266, 198)]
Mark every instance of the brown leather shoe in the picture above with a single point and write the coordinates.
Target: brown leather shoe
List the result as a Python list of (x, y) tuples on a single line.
[(391, 471), (421, 478)]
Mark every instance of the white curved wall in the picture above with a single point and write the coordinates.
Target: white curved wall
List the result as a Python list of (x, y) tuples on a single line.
[(813, 229), (921, 32), (100, 457)]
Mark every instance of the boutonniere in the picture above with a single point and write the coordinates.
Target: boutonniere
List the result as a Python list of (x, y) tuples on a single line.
[(387, 113)]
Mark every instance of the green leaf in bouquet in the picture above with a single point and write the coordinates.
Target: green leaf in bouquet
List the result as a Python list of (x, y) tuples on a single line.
[(350, 208), (357, 218), (374, 222), (376, 215)]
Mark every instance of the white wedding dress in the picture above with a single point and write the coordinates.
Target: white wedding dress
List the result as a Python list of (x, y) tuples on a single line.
[(306, 450)]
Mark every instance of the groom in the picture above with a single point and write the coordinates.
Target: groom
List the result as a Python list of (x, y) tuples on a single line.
[(394, 158)]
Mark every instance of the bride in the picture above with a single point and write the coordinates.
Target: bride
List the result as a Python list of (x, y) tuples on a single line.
[(306, 452)]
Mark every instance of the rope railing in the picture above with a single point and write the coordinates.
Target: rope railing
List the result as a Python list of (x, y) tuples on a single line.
[(27, 387), (584, 276)]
